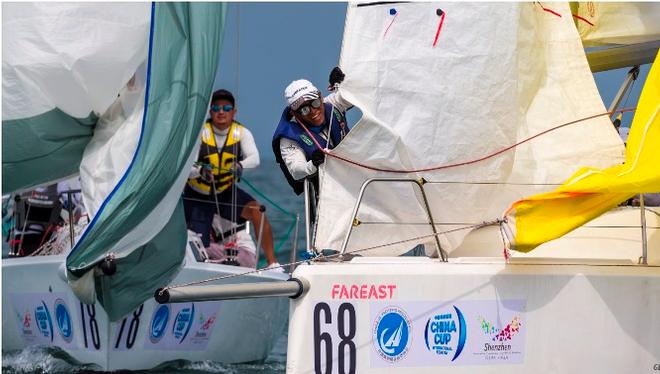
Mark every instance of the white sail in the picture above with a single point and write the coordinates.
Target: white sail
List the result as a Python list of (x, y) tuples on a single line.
[(438, 86), (617, 22)]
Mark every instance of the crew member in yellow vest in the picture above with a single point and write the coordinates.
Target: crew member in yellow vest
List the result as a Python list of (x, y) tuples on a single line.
[(226, 148)]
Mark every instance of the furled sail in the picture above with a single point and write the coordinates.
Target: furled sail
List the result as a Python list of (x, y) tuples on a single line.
[(126, 88), (592, 192), (447, 84)]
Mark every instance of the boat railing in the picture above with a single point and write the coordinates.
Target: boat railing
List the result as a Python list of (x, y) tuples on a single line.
[(419, 183), (643, 259)]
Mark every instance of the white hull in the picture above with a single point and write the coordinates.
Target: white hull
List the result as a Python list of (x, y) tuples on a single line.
[(589, 309), (33, 292), (567, 318)]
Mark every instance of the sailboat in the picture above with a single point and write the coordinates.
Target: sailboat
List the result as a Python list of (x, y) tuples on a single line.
[(117, 94), (481, 124)]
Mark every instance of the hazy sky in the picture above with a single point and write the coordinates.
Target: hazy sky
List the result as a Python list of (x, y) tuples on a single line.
[(275, 43)]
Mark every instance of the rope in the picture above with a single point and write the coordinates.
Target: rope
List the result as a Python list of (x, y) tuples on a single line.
[(326, 257), (453, 165)]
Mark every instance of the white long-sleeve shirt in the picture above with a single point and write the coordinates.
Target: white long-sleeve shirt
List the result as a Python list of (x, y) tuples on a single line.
[(248, 149), (292, 153)]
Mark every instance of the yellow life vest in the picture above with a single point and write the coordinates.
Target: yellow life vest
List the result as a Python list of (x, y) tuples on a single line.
[(221, 159)]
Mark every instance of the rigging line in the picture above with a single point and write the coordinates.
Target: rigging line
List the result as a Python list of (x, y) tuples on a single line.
[(215, 196), (474, 161), (262, 195), (496, 183), (324, 257), (238, 47), (419, 223)]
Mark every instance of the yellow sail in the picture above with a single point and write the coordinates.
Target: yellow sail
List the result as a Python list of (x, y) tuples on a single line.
[(591, 192)]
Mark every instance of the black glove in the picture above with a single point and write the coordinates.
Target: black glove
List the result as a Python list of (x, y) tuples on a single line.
[(336, 77), (237, 170), (318, 157), (206, 172)]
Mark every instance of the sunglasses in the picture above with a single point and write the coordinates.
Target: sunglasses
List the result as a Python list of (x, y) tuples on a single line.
[(225, 108), (307, 108)]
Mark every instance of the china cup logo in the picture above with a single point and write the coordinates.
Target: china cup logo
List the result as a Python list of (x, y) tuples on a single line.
[(391, 334), (445, 333), (159, 323), (44, 321), (63, 318), (183, 322)]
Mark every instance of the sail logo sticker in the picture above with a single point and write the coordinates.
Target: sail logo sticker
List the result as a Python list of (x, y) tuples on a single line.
[(391, 334), (63, 318), (446, 333), (44, 321), (306, 139), (183, 322), (159, 322)]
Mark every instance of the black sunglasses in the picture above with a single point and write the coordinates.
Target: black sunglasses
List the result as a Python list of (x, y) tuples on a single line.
[(307, 107)]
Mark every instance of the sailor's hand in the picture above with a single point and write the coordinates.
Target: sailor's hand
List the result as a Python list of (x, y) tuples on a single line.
[(318, 157), (206, 173), (237, 170), (336, 77)]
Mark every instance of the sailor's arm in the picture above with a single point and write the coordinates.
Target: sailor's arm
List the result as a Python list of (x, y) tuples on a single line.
[(249, 149), (295, 159)]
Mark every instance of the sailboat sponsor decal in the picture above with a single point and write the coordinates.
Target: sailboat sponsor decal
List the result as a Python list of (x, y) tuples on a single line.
[(181, 326), (44, 319), (445, 334), (455, 333), (392, 334), (159, 323), (362, 291), (63, 318)]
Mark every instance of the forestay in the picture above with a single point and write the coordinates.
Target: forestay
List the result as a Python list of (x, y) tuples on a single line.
[(128, 84), (448, 83)]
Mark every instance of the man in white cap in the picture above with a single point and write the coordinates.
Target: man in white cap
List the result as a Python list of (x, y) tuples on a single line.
[(309, 124)]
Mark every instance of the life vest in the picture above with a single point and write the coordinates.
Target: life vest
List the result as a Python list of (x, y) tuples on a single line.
[(290, 129), (221, 160)]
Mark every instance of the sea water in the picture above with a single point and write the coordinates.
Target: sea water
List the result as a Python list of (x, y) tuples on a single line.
[(266, 179)]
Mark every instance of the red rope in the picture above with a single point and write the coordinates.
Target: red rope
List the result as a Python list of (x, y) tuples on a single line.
[(548, 10), (583, 19), (465, 162)]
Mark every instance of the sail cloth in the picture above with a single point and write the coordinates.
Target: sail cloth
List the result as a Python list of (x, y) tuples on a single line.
[(591, 192), (623, 23), (446, 83), (54, 89), (145, 126)]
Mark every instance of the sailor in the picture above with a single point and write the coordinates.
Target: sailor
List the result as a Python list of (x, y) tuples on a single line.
[(308, 122), (226, 148)]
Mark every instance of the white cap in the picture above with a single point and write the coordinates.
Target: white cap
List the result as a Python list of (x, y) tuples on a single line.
[(299, 91)]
